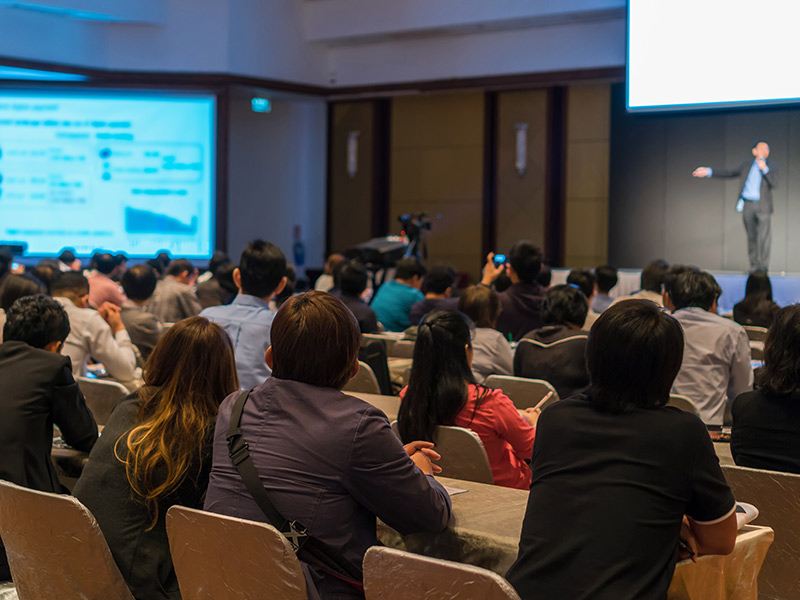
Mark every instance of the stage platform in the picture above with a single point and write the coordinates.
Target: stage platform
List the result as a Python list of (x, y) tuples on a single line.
[(785, 286)]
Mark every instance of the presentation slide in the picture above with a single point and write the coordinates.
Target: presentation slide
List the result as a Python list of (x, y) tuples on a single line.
[(122, 171), (711, 53)]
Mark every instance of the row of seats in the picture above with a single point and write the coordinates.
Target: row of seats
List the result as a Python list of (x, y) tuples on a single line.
[(57, 551)]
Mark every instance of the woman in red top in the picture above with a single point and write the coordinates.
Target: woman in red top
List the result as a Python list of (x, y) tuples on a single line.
[(442, 391)]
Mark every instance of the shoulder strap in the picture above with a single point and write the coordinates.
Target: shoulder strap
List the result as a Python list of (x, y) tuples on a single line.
[(307, 548)]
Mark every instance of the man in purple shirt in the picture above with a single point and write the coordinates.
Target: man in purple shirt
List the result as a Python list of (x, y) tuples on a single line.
[(327, 460)]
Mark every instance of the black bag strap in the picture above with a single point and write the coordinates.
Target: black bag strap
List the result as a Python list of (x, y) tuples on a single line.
[(307, 548)]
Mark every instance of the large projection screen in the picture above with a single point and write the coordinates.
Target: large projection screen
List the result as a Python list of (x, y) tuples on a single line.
[(688, 54), (128, 171)]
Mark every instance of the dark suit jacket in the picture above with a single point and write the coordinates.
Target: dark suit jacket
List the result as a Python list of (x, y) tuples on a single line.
[(768, 181), (37, 390)]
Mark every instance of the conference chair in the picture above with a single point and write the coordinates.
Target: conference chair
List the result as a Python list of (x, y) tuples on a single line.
[(756, 334), (391, 574), (756, 351), (55, 548), (463, 454), (524, 392), (224, 558), (102, 396), (8, 591), (683, 402), (775, 495), (364, 381)]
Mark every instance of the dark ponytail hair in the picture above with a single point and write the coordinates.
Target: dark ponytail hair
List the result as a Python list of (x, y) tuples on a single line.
[(437, 388)]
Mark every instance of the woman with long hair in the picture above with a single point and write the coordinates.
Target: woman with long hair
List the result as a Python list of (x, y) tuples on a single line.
[(766, 421), (155, 452), (757, 307), (442, 391)]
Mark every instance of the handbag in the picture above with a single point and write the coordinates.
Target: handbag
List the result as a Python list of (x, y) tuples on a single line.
[(307, 548)]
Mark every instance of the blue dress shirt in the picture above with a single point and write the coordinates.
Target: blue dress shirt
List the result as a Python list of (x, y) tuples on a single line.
[(752, 186), (248, 321)]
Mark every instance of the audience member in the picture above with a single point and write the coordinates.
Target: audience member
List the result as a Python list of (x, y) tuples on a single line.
[(545, 276), (521, 303), (328, 460), (669, 281), (606, 280), (394, 299), (6, 258), (556, 352), (491, 352), (13, 288), (585, 281), (288, 290), (326, 281), (174, 299), (757, 308), (46, 271), (38, 392), (352, 284), (155, 452), (442, 391), (716, 357), (615, 472), (437, 287), (651, 282), (766, 422), (248, 319), (217, 287), (101, 288), (67, 261), (94, 334), (139, 283), (122, 265)]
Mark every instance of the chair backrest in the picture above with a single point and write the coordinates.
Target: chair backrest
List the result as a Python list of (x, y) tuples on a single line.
[(756, 351), (402, 349), (683, 402), (373, 353), (55, 548), (364, 381), (225, 558), (101, 396), (775, 495), (523, 392), (756, 334), (390, 574)]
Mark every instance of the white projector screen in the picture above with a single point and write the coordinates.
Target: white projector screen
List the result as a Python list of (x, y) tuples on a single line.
[(711, 53), (116, 170)]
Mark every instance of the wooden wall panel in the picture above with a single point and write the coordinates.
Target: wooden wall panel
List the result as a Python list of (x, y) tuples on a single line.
[(436, 167)]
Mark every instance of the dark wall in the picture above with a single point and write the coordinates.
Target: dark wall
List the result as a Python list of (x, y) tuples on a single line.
[(658, 210)]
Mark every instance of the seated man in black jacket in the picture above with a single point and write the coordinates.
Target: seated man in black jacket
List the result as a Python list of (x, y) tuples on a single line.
[(37, 391)]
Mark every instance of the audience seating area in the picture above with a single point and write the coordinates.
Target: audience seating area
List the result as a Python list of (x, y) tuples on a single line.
[(102, 396)]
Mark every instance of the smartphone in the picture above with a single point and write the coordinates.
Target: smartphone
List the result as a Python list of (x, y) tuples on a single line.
[(499, 259), (14, 266)]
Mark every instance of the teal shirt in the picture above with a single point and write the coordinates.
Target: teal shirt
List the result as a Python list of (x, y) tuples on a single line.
[(392, 304)]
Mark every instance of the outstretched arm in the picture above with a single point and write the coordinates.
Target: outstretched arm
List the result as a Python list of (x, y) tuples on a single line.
[(717, 172)]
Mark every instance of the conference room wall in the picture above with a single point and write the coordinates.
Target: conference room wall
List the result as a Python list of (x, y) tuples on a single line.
[(436, 167), (587, 159), (276, 175), (520, 199), (658, 210), (350, 197)]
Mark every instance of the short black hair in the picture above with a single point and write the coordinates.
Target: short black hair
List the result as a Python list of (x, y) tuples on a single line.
[(15, 287), (105, 263), (408, 268), (36, 320), (178, 266), (652, 278), (757, 142), (633, 354), (526, 259), (139, 282), (217, 259), (694, 289), (672, 274), (758, 283), (584, 279), (545, 276), (565, 305), (46, 271), (70, 281), (261, 266), (438, 279), (67, 256), (6, 258), (224, 276), (352, 279), (606, 278)]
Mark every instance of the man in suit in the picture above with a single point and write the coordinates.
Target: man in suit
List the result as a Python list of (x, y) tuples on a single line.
[(757, 177), (37, 391)]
